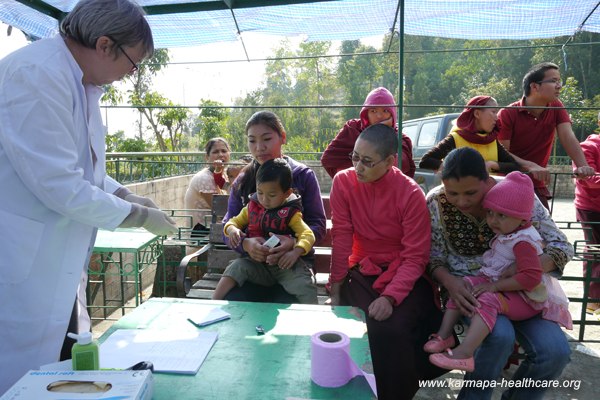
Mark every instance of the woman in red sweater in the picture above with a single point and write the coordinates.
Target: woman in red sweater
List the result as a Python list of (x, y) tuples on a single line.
[(379, 108), (381, 239)]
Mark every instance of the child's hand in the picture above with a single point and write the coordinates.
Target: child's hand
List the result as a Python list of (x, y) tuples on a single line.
[(286, 244), (235, 236), (484, 287), (288, 259)]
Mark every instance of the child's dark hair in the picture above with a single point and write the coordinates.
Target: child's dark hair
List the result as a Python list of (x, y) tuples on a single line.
[(275, 170), (464, 162), (247, 183)]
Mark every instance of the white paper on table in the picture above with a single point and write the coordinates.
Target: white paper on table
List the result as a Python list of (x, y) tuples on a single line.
[(181, 351)]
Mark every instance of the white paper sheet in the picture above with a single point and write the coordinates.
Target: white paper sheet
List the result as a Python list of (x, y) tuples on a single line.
[(181, 351)]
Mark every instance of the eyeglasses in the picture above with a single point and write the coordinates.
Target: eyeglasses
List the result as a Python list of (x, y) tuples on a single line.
[(367, 164), (555, 82), (134, 66)]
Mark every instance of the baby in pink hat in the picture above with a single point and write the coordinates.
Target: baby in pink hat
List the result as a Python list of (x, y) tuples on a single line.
[(518, 295)]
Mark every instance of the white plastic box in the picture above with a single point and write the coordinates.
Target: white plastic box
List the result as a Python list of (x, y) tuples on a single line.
[(135, 385)]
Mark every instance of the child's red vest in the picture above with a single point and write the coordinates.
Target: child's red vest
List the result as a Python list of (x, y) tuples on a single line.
[(262, 221)]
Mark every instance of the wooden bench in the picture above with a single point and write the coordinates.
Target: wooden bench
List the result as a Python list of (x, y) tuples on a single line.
[(218, 256)]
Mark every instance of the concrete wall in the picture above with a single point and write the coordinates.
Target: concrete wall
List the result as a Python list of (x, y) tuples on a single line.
[(169, 192), (565, 185)]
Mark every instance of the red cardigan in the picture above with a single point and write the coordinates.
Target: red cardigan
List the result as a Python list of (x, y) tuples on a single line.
[(385, 222)]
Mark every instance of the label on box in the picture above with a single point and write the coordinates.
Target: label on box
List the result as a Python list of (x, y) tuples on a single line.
[(81, 385)]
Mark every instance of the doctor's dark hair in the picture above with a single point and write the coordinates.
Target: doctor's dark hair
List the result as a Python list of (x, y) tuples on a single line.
[(123, 21), (383, 138), (535, 75), (275, 170), (464, 162), (247, 182)]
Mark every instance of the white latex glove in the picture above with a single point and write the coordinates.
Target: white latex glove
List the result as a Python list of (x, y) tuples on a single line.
[(159, 223), (154, 220), (144, 201)]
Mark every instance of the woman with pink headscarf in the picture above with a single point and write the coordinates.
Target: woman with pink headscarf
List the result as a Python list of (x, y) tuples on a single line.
[(378, 108), (476, 127)]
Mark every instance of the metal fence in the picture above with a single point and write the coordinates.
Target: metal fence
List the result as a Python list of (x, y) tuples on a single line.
[(140, 167), (144, 166)]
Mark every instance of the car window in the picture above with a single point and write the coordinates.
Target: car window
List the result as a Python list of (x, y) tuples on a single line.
[(428, 135), (411, 132)]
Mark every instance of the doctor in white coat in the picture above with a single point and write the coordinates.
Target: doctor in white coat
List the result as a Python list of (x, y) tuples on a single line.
[(55, 192)]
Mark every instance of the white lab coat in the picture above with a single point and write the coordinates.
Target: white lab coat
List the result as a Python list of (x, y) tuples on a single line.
[(52, 169)]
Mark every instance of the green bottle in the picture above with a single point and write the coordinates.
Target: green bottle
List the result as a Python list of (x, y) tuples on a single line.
[(84, 354)]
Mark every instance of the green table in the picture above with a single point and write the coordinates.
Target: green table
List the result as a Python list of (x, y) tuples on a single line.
[(244, 365), (121, 257)]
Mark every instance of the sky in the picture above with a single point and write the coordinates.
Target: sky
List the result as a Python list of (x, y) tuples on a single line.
[(188, 83)]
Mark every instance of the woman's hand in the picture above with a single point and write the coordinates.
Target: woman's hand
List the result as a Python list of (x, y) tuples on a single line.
[(484, 287), (492, 166), (218, 166), (286, 244), (255, 249), (460, 291), (381, 308)]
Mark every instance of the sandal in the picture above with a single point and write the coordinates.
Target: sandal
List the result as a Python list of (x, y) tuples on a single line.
[(443, 361), (436, 344), (592, 309)]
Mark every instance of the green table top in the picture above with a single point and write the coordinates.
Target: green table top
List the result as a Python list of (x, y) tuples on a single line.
[(244, 365), (124, 240)]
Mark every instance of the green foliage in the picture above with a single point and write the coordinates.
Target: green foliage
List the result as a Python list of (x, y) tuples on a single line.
[(118, 143), (572, 96), (315, 95), (154, 107), (210, 122)]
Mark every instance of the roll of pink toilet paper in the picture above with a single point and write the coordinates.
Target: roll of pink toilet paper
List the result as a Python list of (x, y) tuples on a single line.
[(331, 364)]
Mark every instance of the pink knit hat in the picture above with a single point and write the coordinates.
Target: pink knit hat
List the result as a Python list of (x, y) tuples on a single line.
[(512, 196), (377, 98)]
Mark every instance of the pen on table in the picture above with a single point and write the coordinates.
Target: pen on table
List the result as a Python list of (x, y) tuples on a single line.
[(197, 325)]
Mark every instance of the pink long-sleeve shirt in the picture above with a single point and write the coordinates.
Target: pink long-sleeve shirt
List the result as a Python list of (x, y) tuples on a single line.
[(587, 191), (385, 222)]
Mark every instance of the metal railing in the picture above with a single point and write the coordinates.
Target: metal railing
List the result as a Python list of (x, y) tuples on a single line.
[(589, 254), (144, 166)]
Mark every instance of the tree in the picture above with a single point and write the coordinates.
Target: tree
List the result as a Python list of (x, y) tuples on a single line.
[(210, 122), (175, 120), (117, 142), (153, 107), (356, 75)]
